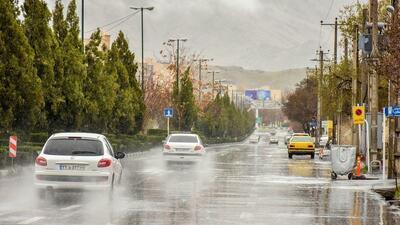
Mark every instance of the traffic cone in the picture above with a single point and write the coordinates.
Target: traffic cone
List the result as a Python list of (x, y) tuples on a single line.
[(358, 170)]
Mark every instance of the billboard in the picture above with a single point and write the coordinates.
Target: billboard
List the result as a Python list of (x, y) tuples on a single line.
[(258, 94)]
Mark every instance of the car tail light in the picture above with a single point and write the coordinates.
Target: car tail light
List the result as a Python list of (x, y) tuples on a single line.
[(292, 146), (167, 147), (198, 147), (311, 146), (41, 161), (104, 163)]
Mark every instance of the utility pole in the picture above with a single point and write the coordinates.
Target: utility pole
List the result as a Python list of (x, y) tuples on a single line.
[(177, 40), (319, 112), (335, 42), (321, 61), (363, 67), (393, 123), (213, 82), (354, 84), (83, 25), (142, 29), (201, 60), (373, 18)]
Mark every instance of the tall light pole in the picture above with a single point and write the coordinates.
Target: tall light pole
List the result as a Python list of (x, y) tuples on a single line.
[(141, 16), (177, 40)]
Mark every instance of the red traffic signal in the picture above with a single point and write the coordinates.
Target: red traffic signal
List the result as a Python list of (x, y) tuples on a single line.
[(359, 112)]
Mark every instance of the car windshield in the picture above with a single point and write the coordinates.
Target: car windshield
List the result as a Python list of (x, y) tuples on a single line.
[(183, 138), (301, 139), (78, 147)]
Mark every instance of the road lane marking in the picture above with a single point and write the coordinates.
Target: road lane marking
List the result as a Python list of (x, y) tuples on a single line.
[(70, 207), (31, 220)]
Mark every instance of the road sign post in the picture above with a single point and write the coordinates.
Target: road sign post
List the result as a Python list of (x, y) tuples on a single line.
[(168, 113), (358, 115), (384, 146)]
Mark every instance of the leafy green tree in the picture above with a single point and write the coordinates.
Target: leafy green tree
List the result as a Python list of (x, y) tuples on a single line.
[(42, 40), (20, 87), (301, 105), (99, 87)]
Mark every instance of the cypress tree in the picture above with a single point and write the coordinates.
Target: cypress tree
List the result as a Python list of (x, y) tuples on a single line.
[(73, 73), (99, 88), (187, 102), (128, 60), (41, 39), (20, 87)]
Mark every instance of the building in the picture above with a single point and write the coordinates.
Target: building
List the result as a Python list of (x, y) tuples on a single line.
[(105, 40)]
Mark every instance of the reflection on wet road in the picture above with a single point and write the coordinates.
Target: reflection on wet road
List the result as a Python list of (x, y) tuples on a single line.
[(233, 184)]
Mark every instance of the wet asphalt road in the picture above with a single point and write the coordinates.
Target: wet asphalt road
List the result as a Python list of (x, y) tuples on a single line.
[(233, 184)]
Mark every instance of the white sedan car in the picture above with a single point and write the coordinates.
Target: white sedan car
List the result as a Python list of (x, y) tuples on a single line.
[(183, 146), (77, 161)]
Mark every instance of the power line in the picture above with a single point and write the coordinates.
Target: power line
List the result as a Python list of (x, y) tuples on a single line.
[(330, 8), (123, 19)]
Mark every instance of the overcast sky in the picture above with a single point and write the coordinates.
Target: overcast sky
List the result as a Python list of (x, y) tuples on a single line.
[(254, 34)]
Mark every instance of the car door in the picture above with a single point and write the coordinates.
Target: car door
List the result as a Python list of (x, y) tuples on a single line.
[(117, 167)]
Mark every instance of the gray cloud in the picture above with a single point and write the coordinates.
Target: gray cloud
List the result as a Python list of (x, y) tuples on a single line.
[(255, 34)]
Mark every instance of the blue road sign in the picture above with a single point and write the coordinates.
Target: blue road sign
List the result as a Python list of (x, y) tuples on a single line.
[(392, 111), (168, 112)]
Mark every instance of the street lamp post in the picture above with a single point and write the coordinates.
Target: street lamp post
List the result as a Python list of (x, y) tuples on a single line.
[(177, 40), (141, 11)]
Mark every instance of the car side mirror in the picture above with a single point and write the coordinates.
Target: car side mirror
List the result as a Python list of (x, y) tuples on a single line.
[(205, 145), (119, 155)]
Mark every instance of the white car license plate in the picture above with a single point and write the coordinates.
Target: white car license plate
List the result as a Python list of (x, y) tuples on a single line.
[(71, 167), (182, 149)]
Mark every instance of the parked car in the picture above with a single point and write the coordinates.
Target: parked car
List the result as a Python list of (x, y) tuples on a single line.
[(182, 145), (301, 145), (77, 161)]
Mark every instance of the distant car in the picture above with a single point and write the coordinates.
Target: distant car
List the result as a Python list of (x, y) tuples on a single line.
[(77, 161), (273, 140), (182, 146), (301, 145), (254, 139)]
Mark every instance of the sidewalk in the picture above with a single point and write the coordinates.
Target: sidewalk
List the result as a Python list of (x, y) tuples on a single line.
[(3, 173)]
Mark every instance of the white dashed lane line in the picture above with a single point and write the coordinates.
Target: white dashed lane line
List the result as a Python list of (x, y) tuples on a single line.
[(31, 220), (70, 207)]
